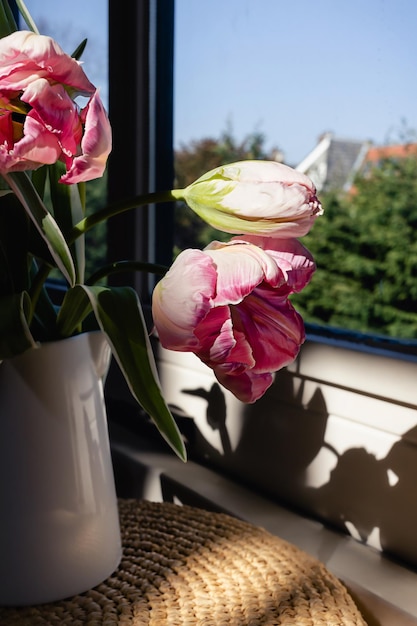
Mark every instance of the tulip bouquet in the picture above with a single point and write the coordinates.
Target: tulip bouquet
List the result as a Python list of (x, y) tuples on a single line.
[(228, 303)]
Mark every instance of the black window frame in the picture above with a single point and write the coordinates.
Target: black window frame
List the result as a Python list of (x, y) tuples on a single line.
[(141, 85), (141, 88)]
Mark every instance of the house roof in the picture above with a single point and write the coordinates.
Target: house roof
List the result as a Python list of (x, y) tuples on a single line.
[(377, 153), (333, 163)]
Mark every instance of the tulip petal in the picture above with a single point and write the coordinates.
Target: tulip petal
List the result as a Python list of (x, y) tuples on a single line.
[(263, 197), (26, 56), (36, 146), (39, 81), (95, 145), (57, 111), (221, 343), (294, 259), (247, 387), (240, 270), (215, 335), (229, 305), (272, 327), (183, 298)]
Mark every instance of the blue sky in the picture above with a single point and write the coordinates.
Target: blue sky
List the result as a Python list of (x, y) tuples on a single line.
[(290, 70), (293, 70)]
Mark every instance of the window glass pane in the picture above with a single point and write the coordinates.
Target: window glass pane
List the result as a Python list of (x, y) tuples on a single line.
[(69, 24), (322, 86)]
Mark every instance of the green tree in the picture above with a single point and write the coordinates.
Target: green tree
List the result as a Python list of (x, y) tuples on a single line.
[(365, 246)]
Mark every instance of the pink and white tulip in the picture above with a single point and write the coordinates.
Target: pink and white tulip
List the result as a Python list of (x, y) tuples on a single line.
[(229, 305), (40, 122), (255, 197)]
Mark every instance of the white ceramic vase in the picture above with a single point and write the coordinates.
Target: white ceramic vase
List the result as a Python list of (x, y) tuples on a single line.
[(59, 524)]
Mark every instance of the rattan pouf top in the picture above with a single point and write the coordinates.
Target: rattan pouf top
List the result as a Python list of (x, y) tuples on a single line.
[(184, 566)]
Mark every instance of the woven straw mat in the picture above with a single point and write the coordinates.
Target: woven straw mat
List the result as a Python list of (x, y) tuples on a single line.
[(184, 566)]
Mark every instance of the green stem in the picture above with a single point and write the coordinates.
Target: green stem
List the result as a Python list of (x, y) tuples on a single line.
[(27, 16), (125, 266), (38, 283), (119, 207)]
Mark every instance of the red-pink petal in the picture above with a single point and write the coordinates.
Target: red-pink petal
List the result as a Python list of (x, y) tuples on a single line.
[(229, 305), (290, 255), (96, 144), (26, 56), (272, 327), (240, 268), (37, 146), (248, 387), (57, 111), (183, 298)]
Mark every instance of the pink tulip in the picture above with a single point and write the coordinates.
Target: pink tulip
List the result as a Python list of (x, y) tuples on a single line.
[(255, 197), (40, 122), (229, 305)]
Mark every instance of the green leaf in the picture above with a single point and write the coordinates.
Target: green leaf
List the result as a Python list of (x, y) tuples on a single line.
[(44, 222), (15, 335), (7, 21), (79, 50), (119, 314), (68, 210), (44, 322), (74, 309), (38, 178), (4, 187)]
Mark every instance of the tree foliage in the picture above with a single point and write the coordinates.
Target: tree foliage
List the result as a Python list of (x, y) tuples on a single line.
[(365, 246)]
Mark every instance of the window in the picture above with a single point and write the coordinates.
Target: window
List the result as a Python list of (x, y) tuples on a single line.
[(69, 24), (321, 88), (332, 435)]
